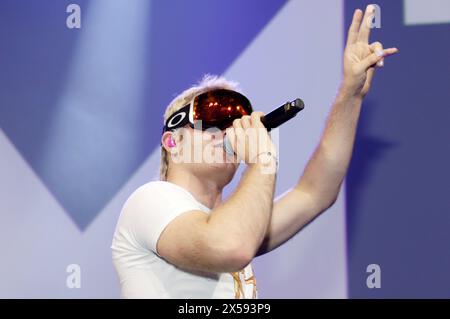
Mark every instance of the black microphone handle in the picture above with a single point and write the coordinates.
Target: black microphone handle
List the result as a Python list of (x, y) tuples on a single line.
[(282, 114)]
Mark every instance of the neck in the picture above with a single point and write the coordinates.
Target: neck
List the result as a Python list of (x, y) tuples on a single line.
[(207, 191)]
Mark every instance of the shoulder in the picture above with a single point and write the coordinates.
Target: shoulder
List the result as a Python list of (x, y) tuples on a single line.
[(154, 189), (155, 194)]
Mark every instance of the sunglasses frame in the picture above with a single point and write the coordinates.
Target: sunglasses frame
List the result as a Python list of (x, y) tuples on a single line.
[(186, 113)]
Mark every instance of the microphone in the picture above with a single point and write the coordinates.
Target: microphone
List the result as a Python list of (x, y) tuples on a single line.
[(274, 119)]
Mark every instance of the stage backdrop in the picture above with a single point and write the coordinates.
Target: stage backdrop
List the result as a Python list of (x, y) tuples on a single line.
[(398, 186), (81, 112)]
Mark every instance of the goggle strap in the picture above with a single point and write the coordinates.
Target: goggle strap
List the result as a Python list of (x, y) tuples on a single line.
[(178, 119)]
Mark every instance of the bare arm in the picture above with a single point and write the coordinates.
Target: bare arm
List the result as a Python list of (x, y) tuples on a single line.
[(228, 238), (319, 185)]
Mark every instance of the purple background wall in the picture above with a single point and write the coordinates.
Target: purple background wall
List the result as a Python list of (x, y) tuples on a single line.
[(398, 185), (80, 118)]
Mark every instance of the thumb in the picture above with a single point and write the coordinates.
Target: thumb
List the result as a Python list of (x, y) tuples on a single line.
[(376, 56), (371, 59)]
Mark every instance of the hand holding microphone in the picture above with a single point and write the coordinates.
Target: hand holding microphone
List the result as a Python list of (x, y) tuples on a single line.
[(248, 138), (260, 123)]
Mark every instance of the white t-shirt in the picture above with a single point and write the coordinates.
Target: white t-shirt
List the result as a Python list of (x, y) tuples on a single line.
[(145, 274)]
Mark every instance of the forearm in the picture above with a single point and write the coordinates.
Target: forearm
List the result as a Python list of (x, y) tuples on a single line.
[(327, 167), (243, 219), (319, 185)]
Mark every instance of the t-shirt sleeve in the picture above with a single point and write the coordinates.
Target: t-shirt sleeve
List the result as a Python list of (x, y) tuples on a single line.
[(152, 207)]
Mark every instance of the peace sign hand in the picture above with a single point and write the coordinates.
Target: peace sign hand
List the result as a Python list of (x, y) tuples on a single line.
[(360, 57)]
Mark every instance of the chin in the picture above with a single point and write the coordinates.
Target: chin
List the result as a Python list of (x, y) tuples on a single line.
[(222, 172)]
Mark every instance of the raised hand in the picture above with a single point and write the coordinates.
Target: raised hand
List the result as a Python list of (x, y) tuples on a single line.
[(360, 57)]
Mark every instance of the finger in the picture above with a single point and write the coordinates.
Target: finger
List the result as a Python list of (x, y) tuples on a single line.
[(386, 53), (352, 35), (245, 121), (370, 73), (370, 60), (377, 48), (364, 30), (390, 51), (256, 119), (237, 123), (377, 56)]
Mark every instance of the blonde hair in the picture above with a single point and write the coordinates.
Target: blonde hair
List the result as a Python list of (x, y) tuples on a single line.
[(207, 83)]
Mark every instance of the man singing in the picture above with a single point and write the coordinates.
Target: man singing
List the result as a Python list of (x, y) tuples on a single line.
[(177, 238)]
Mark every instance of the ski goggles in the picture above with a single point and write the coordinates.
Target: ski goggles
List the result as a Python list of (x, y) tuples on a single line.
[(216, 108)]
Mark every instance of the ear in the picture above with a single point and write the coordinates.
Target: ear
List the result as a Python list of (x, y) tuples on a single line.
[(167, 141)]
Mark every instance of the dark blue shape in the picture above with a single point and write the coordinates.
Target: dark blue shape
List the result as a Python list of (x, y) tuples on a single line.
[(399, 183), (187, 39)]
